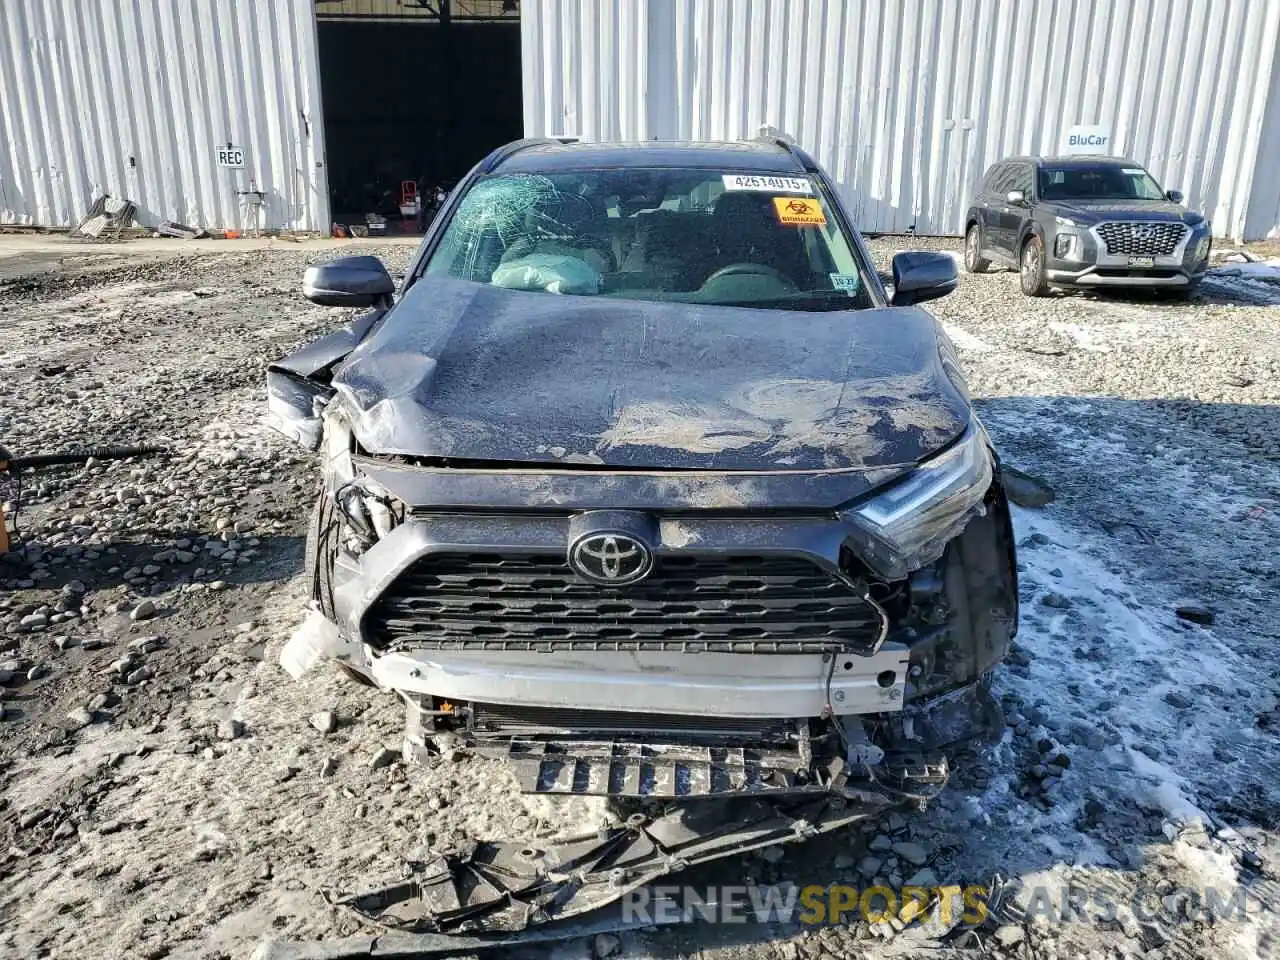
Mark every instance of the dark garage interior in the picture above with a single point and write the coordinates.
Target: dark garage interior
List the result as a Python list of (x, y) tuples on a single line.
[(420, 96)]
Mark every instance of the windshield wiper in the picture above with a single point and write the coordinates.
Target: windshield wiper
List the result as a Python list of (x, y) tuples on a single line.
[(815, 300)]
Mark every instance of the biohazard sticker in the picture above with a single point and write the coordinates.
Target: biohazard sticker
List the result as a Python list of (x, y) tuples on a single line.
[(799, 211)]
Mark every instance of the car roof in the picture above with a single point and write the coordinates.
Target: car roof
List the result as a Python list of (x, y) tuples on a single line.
[(1075, 161), (745, 156)]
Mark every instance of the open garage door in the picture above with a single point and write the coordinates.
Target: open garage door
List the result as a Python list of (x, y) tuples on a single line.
[(414, 92)]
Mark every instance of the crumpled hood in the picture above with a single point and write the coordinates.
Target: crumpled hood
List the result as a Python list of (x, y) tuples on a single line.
[(467, 371), (1095, 211)]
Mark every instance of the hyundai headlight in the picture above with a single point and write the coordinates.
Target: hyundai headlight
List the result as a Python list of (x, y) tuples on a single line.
[(1066, 246), (909, 524)]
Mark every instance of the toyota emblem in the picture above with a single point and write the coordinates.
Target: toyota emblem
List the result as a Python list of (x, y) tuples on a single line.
[(612, 558)]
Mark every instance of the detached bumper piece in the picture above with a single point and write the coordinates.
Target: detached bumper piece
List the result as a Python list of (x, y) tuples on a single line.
[(507, 887)]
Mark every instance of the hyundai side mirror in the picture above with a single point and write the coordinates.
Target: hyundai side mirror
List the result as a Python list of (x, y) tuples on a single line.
[(1016, 197), (348, 282), (920, 276), (1174, 196)]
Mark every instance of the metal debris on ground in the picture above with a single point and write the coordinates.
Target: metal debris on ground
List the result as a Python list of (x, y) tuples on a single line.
[(168, 228), (500, 887), (106, 219)]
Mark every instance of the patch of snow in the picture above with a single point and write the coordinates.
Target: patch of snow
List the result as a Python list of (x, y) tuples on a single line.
[(965, 340)]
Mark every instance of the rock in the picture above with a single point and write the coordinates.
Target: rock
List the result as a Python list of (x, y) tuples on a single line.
[(218, 585), (869, 866), (329, 767), (383, 757), (35, 673), (1026, 490), (145, 644), (1195, 613), (1179, 700), (896, 822), (844, 860), (143, 611), (772, 854), (326, 721), (437, 803), (34, 622), (80, 718), (923, 878), (135, 677), (881, 843), (1056, 601), (912, 852), (1009, 935), (607, 945), (230, 729)]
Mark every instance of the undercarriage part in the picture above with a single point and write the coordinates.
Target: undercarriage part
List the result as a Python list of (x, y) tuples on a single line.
[(657, 771), (663, 910), (509, 887)]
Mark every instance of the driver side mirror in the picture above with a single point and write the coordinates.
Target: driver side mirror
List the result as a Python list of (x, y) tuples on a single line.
[(919, 276), (1174, 196), (1016, 197), (348, 282)]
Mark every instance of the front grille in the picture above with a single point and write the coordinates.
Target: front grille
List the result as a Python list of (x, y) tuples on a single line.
[(741, 604), (1138, 239)]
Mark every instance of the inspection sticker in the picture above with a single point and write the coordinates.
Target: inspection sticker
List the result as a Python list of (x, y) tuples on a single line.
[(1133, 171), (847, 282), (747, 181), (799, 212)]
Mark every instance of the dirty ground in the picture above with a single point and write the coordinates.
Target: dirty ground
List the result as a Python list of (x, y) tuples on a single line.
[(166, 790)]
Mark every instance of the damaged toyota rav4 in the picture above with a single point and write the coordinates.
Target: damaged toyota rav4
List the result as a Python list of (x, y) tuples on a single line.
[(644, 482)]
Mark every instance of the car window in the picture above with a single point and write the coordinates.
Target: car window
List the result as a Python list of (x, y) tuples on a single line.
[(1109, 182), (989, 181), (997, 179), (700, 236), (1020, 179)]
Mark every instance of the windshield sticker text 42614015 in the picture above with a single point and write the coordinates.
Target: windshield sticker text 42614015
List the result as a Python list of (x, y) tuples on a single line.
[(749, 181)]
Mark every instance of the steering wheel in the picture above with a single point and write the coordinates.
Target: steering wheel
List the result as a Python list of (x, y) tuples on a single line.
[(749, 269)]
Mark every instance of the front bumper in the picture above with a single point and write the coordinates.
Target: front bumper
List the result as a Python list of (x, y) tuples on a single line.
[(709, 684), (1092, 266)]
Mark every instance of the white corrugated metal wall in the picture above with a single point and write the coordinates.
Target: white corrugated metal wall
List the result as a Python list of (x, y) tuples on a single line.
[(132, 97), (905, 102)]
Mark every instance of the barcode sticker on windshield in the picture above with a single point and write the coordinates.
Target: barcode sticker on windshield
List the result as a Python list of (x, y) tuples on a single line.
[(746, 181), (844, 281)]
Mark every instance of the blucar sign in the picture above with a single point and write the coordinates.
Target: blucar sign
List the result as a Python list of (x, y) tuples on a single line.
[(1094, 138)]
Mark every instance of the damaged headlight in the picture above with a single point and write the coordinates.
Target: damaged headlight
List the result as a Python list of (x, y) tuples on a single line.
[(909, 524), (369, 511)]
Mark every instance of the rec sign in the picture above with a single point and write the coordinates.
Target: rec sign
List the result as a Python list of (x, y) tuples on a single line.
[(230, 157)]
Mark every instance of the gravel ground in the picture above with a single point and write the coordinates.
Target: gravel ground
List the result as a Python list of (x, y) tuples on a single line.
[(166, 790)]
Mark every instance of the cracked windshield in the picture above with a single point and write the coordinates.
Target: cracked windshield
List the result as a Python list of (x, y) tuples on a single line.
[(696, 236)]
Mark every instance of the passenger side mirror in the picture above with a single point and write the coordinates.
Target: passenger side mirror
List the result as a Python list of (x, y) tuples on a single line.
[(348, 282), (1174, 196), (1016, 197), (920, 276)]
